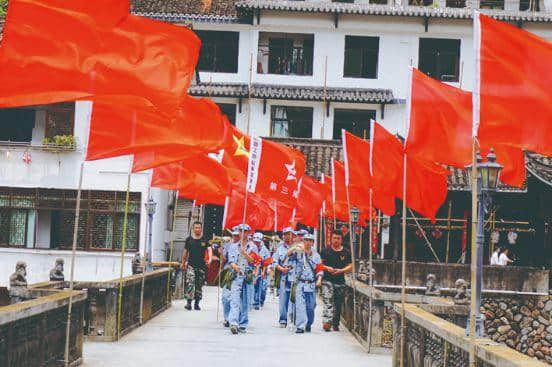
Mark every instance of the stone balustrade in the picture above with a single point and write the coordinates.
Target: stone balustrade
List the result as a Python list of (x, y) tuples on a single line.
[(33, 333), (433, 341)]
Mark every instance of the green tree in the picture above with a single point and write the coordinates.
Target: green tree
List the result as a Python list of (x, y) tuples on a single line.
[(3, 8)]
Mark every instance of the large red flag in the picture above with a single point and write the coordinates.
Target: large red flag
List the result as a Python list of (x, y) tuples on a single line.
[(236, 156), (513, 79), (274, 171), (259, 215), (440, 122), (311, 196), (340, 207), (58, 50), (440, 129), (200, 178), (426, 182), (129, 127)]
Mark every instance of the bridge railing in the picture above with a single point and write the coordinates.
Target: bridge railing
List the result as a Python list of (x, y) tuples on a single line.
[(33, 333), (433, 341)]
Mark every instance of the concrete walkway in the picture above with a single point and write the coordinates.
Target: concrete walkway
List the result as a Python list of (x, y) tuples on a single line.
[(179, 337)]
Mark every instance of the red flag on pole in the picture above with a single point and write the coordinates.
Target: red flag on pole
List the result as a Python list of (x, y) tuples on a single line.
[(57, 50), (513, 97), (274, 171), (260, 214), (200, 178), (311, 196)]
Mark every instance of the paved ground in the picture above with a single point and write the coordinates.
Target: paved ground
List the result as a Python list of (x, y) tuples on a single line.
[(194, 338)]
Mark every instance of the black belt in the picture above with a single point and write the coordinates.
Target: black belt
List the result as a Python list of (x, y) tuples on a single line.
[(306, 281)]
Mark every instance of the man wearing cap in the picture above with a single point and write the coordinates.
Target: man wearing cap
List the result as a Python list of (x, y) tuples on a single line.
[(308, 274), (252, 268), (239, 260), (284, 267), (261, 276), (225, 298)]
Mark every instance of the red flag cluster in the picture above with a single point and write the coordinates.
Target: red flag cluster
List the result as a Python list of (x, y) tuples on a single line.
[(137, 72)]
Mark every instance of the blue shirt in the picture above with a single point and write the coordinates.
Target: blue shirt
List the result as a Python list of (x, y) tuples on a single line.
[(306, 268), (281, 258)]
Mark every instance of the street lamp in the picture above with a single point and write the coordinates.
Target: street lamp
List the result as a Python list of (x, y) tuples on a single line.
[(487, 182), (150, 210), (354, 221)]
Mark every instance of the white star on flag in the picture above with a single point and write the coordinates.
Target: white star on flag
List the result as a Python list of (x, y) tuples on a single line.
[(292, 173)]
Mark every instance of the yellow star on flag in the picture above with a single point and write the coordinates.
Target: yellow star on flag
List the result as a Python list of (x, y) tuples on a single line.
[(240, 149)]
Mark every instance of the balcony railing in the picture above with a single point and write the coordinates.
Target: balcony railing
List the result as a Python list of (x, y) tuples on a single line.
[(41, 147)]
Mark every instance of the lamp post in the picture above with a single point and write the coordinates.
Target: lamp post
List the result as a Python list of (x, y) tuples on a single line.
[(487, 182), (150, 210), (354, 221)]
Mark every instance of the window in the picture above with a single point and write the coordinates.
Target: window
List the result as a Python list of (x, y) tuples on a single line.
[(291, 122), (16, 125), (531, 5), (456, 3), (492, 4), (219, 51), (361, 57), (440, 58), (60, 120), (229, 109), (357, 122), (286, 54), (50, 214)]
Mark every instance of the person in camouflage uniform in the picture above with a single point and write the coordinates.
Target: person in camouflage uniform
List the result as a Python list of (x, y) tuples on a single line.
[(337, 262), (194, 266)]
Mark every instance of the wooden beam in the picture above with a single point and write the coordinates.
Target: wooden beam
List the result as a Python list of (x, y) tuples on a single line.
[(336, 20), (264, 106), (240, 105), (327, 108), (258, 14), (382, 111), (426, 23)]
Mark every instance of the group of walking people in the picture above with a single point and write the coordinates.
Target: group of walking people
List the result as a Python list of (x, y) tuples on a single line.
[(293, 269)]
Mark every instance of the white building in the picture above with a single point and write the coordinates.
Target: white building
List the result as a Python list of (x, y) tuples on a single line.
[(287, 69)]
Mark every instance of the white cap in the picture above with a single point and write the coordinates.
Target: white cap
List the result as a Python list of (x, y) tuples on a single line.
[(287, 230), (308, 236), (258, 237)]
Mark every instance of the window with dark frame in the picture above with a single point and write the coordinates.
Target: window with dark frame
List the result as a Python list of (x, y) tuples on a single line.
[(361, 57), (100, 223), (357, 122), (60, 120), (285, 53), (440, 58), (229, 109), (219, 51), (531, 5), (16, 125), (291, 122)]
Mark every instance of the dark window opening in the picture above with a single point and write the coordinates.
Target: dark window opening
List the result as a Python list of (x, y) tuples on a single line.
[(456, 3), (219, 51), (357, 122), (60, 120), (531, 5), (440, 58), (16, 125), (229, 109), (420, 2), (492, 4), (285, 54), (291, 122), (361, 57)]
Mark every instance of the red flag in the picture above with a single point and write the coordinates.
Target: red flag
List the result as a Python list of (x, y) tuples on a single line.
[(440, 122), (274, 171), (311, 195), (340, 207), (441, 125), (58, 50), (515, 97), (129, 127), (259, 213), (236, 157), (201, 178)]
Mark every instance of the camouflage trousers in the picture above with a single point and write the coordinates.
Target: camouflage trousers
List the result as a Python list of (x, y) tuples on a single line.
[(332, 297), (193, 284)]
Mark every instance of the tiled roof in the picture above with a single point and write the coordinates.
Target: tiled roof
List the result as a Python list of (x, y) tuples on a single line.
[(179, 10), (370, 9), (319, 154), (540, 167), (354, 95)]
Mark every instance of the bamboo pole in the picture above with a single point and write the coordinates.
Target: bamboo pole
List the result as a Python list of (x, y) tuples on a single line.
[(425, 237), (403, 280), (219, 270), (72, 274), (352, 256), (473, 306), (171, 248), (144, 269), (249, 91), (325, 96), (371, 277), (123, 248), (448, 231)]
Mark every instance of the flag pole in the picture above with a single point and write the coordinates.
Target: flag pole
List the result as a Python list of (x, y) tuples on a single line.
[(371, 277), (403, 280), (145, 267), (72, 274), (473, 305), (325, 96), (448, 232), (171, 247), (219, 269), (123, 248), (352, 256), (249, 92)]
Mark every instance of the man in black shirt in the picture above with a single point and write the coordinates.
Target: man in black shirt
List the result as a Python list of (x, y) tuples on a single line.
[(337, 262), (193, 265)]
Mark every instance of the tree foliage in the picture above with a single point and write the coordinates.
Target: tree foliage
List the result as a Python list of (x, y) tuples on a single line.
[(3, 8)]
